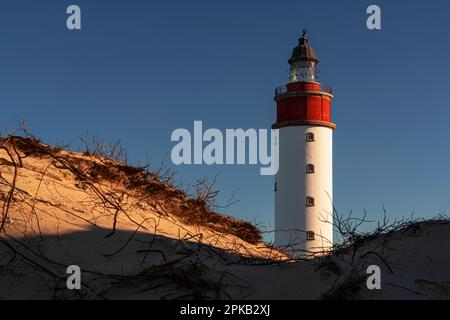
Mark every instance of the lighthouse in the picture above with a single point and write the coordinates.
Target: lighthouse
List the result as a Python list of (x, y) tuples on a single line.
[(304, 182)]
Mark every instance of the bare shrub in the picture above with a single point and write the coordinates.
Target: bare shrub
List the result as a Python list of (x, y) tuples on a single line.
[(98, 147)]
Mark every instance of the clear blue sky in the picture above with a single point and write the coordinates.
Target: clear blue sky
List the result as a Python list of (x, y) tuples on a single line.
[(139, 69)]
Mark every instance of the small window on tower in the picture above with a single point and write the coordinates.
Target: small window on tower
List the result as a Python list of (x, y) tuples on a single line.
[(275, 187), (310, 168), (309, 136), (310, 235), (310, 201)]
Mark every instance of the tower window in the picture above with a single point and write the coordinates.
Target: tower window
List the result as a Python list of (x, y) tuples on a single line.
[(309, 136), (275, 187), (310, 168), (310, 201), (310, 235)]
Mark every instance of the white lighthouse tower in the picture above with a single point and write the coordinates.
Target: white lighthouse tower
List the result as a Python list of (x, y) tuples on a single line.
[(304, 182)]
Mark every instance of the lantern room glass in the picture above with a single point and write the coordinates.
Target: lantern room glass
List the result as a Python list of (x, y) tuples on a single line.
[(304, 71)]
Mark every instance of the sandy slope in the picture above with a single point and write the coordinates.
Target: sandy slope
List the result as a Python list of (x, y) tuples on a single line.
[(419, 259), (49, 199), (61, 208)]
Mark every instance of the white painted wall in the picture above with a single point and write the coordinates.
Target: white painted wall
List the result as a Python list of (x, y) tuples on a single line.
[(292, 217)]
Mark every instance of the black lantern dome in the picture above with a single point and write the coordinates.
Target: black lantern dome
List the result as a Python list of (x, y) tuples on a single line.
[(303, 52)]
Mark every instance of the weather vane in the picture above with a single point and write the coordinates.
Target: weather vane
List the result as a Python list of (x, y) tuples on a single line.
[(304, 33)]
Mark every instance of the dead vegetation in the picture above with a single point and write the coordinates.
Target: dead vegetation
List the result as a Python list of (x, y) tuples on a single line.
[(111, 166), (358, 249)]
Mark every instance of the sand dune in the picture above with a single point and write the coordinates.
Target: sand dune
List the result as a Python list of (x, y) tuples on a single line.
[(136, 236)]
